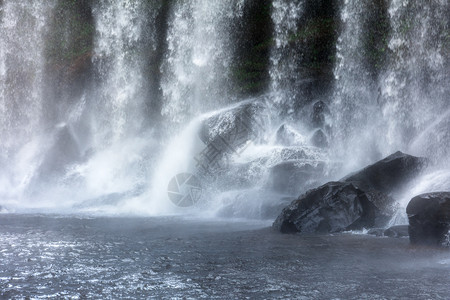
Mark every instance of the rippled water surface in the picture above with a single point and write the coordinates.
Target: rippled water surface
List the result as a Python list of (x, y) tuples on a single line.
[(127, 258)]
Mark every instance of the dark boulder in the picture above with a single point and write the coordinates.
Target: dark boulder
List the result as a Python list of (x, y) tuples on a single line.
[(227, 132), (389, 174), (319, 112), (334, 207), (231, 128), (319, 139), (429, 219)]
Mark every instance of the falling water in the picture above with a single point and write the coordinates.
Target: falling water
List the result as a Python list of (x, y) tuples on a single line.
[(406, 105), (416, 87), (21, 92), (196, 69), (355, 99), (415, 91), (154, 68), (284, 72)]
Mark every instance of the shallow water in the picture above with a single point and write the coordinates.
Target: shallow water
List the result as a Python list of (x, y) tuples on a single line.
[(44, 256)]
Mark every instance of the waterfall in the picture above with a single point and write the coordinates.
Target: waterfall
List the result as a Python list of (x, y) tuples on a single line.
[(196, 67), (119, 60), (23, 29), (284, 59), (120, 136), (415, 88), (403, 104), (379, 111), (355, 99), (102, 103)]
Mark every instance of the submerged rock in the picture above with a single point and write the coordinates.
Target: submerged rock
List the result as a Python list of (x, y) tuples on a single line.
[(397, 231), (394, 231), (319, 139), (429, 219), (388, 174), (376, 231), (334, 207), (288, 136)]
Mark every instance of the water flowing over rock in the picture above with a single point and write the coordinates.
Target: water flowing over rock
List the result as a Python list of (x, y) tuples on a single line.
[(429, 219), (102, 98)]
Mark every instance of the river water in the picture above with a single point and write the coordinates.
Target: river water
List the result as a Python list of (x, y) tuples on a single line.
[(80, 257)]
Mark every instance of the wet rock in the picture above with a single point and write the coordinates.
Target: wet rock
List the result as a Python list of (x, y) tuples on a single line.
[(376, 231), (388, 174), (334, 207), (288, 136), (318, 114), (397, 231), (429, 219), (319, 139), (229, 129)]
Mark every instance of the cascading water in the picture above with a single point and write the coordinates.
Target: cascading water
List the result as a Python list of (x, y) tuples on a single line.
[(406, 105), (23, 28), (355, 97), (415, 88), (119, 61), (117, 115), (196, 69), (220, 110), (119, 140), (284, 72)]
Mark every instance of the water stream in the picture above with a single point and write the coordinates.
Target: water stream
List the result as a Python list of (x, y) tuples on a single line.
[(154, 74)]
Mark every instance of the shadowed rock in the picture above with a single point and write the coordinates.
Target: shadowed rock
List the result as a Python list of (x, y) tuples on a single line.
[(319, 139), (288, 136), (429, 219), (360, 200), (334, 207), (389, 174), (319, 112)]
